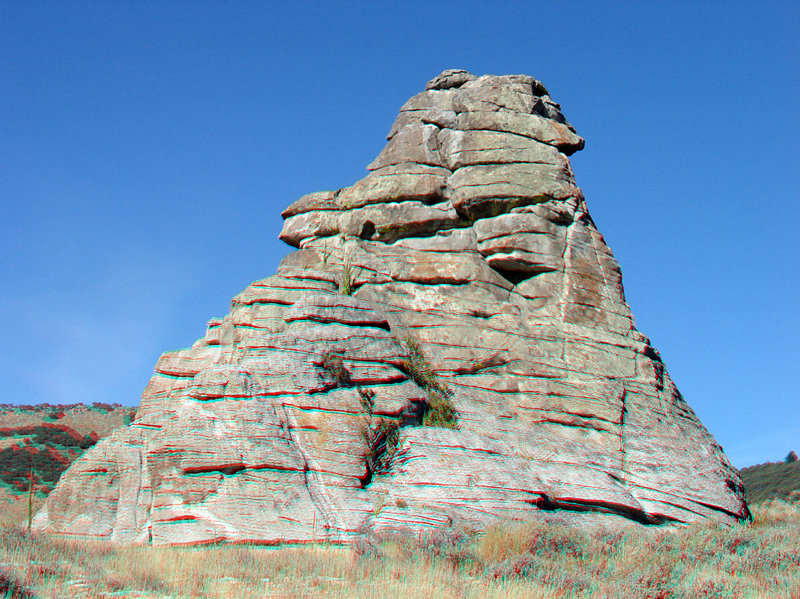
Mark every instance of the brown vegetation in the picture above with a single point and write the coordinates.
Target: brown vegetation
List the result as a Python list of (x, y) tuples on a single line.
[(761, 559)]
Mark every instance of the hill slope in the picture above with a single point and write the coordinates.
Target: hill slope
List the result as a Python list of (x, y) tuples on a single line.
[(48, 438), (771, 480)]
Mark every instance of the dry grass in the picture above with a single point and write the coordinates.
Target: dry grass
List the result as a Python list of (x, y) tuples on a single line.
[(514, 561)]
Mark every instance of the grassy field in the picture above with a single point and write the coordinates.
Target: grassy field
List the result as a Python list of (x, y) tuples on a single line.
[(759, 560)]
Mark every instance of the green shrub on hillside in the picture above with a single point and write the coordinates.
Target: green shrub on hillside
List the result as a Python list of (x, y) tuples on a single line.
[(773, 480), (17, 463)]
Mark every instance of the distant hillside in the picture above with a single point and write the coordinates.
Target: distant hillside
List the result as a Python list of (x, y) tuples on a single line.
[(771, 480), (48, 438)]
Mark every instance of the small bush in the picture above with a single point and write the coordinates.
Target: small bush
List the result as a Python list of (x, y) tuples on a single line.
[(381, 439), (440, 411), (419, 370), (367, 397), (385, 444), (9, 587), (334, 365), (128, 417)]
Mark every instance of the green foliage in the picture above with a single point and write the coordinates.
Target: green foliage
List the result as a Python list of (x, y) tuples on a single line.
[(419, 370), (17, 462), (771, 480), (49, 435), (334, 365), (346, 280), (48, 450), (385, 445), (129, 417), (790, 457), (381, 439), (440, 411)]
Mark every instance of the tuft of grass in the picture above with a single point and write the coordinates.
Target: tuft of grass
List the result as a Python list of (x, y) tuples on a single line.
[(346, 280), (501, 541), (776, 512), (440, 411)]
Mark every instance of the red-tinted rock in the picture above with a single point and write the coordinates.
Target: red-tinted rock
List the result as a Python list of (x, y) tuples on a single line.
[(299, 415)]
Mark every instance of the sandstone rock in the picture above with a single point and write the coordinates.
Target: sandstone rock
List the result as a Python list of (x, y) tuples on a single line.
[(467, 148), (406, 181), (481, 191), (534, 126), (299, 416), (415, 143), (450, 78)]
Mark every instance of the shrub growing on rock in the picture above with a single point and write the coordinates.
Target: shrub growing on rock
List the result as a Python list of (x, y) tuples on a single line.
[(334, 365), (440, 411)]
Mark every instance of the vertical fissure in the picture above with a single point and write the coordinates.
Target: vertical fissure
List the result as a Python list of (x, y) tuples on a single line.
[(309, 478), (622, 447)]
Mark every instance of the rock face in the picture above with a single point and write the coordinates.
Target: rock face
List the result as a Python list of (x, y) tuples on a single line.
[(462, 283)]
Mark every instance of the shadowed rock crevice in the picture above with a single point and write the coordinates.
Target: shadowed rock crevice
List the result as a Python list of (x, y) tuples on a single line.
[(449, 345), (515, 277)]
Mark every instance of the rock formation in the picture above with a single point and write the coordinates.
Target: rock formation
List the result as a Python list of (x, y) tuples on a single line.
[(449, 345)]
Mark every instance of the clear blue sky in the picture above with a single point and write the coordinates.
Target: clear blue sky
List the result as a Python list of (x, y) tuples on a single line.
[(147, 149)]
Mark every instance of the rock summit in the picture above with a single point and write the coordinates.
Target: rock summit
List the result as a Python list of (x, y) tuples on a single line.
[(449, 345)]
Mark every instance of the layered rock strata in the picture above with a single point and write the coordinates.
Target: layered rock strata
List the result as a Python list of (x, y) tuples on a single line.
[(463, 269)]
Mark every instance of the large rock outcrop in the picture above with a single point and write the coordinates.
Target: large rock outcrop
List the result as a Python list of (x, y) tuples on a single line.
[(463, 272)]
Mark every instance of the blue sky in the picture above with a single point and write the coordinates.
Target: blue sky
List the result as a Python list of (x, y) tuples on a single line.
[(147, 149)]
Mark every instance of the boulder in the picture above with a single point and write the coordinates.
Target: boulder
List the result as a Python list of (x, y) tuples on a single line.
[(448, 346)]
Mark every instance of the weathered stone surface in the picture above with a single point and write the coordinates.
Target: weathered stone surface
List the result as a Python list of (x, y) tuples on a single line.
[(450, 78), (522, 242), (482, 191), (470, 241), (416, 143), (468, 148), (406, 181), (395, 220), (319, 200), (534, 126)]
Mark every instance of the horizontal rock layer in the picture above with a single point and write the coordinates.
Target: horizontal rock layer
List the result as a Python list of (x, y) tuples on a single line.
[(298, 416)]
